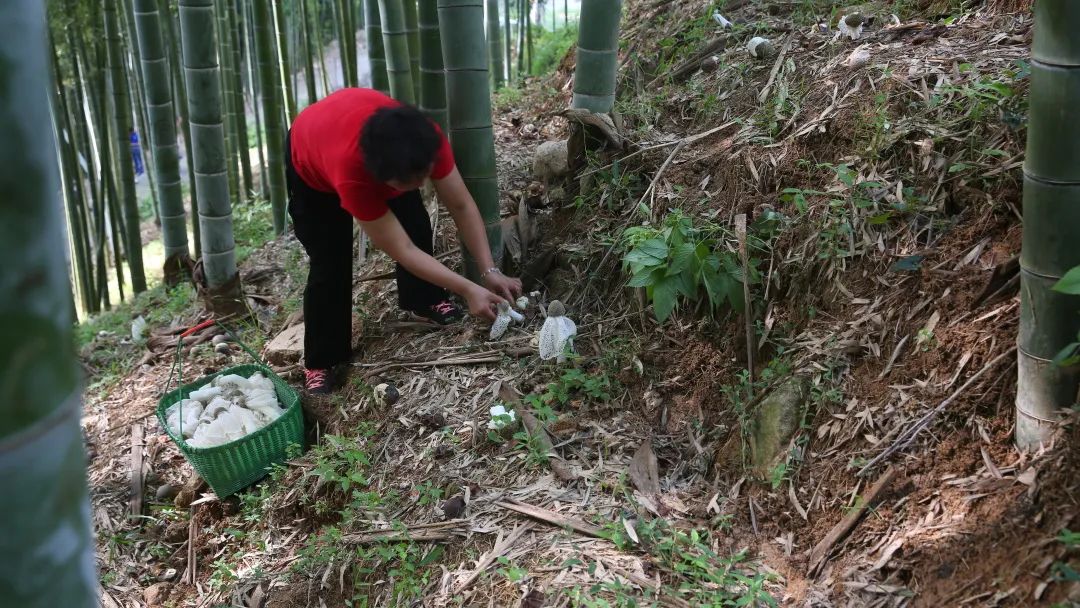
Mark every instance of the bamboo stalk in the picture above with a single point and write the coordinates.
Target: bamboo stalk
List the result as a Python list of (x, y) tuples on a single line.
[(309, 53), (163, 138), (494, 37), (180, 88), (338, 7), (432, 77), (48, 553), (272, 115), (322, 49), (412, 36), (597, 55), (1048, 318), (201, 70), (469, 95), (235, 16), (507, 63), (395, 41), (121, 98), (256, 98), (284, 65), (380, 79), (228, 105), (70, 180)]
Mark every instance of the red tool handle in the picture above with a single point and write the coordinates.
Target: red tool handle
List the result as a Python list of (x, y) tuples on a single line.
[(203, 325)]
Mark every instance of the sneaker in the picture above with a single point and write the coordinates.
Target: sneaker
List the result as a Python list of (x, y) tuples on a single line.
[(317, 381), (443, 313)]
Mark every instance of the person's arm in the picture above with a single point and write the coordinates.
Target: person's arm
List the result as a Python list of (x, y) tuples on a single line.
[(387, 234), (453, 193)]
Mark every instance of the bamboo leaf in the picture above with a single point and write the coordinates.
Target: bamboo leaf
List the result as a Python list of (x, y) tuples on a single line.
[(1070, 283)]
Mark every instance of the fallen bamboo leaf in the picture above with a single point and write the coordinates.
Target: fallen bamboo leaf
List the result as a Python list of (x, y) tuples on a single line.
[(551, 517)]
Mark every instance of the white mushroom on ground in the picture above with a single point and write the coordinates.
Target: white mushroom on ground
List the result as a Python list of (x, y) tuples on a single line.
[(522, 303), (557, 334), (759, 48), (501, 417), (503, 319), (851, 25)]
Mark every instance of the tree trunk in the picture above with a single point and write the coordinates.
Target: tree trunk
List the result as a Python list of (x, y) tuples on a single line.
[(597, 55), (180, 89), (1048, 318), (494, 37), (309, 53), (380, 79), (223, 295), (432, 77), (48, 554), (395, 40), (465, 56), (275, 132), (278, 16), (123, 126), (163, 138)]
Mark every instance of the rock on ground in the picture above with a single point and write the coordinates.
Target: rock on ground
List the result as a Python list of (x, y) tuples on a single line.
[(286, 347), (550, 160), (774, 423)]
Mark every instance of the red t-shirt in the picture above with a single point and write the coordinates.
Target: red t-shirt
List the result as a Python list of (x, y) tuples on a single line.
[(325, 140)]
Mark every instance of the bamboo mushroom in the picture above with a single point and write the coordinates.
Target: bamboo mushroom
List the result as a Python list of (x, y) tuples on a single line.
[(557, 334)]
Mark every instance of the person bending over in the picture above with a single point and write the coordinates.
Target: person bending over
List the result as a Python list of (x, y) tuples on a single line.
[(360, 154)]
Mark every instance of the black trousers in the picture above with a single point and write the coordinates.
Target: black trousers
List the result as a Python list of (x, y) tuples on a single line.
[(326, 232)]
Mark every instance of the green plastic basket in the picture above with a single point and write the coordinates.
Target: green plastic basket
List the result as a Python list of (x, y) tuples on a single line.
[(234, 466)]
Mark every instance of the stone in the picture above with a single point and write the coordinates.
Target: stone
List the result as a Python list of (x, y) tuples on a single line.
[(166, 492), (287, 347), (219, 339), (156, 594), (775, 422), (550, 160)]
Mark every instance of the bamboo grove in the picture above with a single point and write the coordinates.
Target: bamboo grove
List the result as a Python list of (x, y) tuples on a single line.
[(203, 93)]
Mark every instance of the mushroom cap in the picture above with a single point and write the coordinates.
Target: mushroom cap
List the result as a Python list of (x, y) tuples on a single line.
[(504, 308), (556, 309)]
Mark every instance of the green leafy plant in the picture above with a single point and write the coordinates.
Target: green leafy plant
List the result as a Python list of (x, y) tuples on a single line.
[(1062, 570), (512, 573), (1069, 284), (848, 208), (679, 260), (704, 577), (551, 47)]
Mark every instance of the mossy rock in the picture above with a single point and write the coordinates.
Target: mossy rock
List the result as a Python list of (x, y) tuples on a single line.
[(774, 422)]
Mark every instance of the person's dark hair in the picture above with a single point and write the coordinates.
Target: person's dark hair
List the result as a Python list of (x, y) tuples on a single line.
[(398, 143)]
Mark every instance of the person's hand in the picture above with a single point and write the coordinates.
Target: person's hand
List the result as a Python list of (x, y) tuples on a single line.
[(482, 303), (507, 287)]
